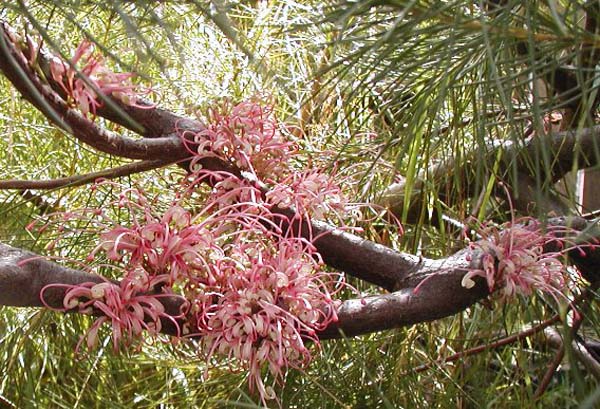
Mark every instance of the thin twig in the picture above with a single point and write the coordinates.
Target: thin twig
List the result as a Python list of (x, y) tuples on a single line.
[(555, 339), (78, 180), (480, 348), (505, 340), (560, 354)]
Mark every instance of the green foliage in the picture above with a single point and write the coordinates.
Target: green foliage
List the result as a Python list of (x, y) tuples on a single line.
[(377, 89)]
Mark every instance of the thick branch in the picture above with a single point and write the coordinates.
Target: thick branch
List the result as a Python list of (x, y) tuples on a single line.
[(20, 74), (360, 258), (437, 293), (142, 118), (566, 151), (430, 291), (24, 274)]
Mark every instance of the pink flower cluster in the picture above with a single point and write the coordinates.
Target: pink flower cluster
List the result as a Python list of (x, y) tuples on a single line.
[(254, 290), (516, 259), (309, 193), (266, 302), (268, 294), (252, 294), (165, 247), (94, 76), (130, 307), (246, 135)]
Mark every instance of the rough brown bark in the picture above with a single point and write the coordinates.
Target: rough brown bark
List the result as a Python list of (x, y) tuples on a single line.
[(424, 289), (24, 274)]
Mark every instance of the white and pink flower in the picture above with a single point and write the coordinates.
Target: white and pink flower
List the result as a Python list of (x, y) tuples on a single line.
[(94, 77), (519, 258)]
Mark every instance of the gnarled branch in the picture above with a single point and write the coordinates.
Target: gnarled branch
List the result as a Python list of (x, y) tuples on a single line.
[(24, 274)]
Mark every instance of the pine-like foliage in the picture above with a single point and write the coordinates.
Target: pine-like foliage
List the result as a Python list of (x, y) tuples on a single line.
[(438, 110)]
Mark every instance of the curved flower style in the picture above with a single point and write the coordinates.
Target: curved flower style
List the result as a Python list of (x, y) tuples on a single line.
[(93, 77), (254, 292), (516, 261)]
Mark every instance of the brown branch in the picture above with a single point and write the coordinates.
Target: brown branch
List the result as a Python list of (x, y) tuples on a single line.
[(549, 374), (572, 331), (492, 345), (558, 357), (436, 293), (24, 274), (507, 340), (46, 100), (431, 290), (143, 118), (567, 150), (360, 258), (78, 180), (555, 339)]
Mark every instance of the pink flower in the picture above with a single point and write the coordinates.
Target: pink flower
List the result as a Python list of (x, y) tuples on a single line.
[(310, 194), (268, 302), (82, 88), (515, 260), (248, 136), (129, 307), (170, 246)]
